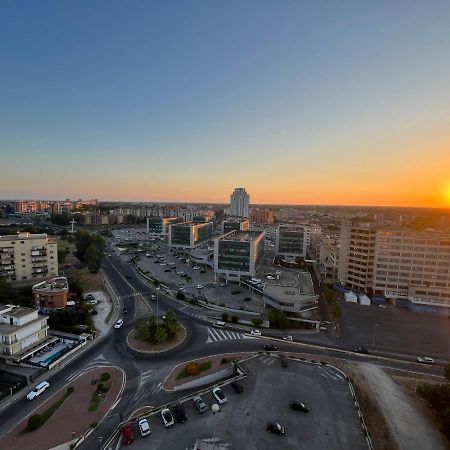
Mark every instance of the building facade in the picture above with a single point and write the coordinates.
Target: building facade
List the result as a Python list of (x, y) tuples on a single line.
[(329, 260), (291, 241), (189, 235), (235, 224), (240, 203), (28, 256), (238, 254), (51, 294), (159, 226), (262, 216), (21, 330)]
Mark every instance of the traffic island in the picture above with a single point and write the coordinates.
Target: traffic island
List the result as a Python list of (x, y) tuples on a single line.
[(142, 346), (60, 427)]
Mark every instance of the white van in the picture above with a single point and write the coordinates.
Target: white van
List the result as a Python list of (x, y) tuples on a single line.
[(39, 389), (219, 324)]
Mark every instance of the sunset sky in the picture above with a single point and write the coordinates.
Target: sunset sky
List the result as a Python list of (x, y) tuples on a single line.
[(300, 102)]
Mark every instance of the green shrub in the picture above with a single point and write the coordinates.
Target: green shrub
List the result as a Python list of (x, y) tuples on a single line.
[(235, 319), (225, 317), (180, 295), (224, 361), (34, 422), (105, 376), (256, 322), (70, 389)]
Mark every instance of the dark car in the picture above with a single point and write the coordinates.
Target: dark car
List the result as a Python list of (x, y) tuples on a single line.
[(124, 310), (283, 360), (270, 348), (94, 312), (247, 299), (128, 275), (127, 434), (199, 404), (275, 427), (299, 406), (362, 350), (237, 387), (180, 413), (235, 292)]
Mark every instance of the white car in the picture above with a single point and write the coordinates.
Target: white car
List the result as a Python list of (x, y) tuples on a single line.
[(39, 389), (118, 324), (196, 268), (425, 360), (288, 338), (255, 333), (167, 417), (144, 427), (199, 286), (219, 395), (153, 297), (270, 277)]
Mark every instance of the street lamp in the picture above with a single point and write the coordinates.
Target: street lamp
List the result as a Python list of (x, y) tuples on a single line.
[(157, 306), (373, 336)]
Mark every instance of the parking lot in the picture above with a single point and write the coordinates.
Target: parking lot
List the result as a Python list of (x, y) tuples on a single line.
[(332, 422)]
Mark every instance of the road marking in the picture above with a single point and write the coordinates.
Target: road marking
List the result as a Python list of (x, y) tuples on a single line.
[(146, 374), (223, 335), (182, 308)]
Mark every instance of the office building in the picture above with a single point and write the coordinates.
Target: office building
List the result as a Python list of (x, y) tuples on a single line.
[(189, 235), (22, 332), (235, 224), (240, 203), (159, 226), (238, 254), (26, 256), (51, 294), (291, 241)]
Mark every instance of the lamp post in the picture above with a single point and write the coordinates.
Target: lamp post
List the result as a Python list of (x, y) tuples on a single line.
[(373, 336), (157, 307)]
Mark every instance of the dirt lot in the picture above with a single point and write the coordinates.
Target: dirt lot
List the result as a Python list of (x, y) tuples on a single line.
[(89, 281)]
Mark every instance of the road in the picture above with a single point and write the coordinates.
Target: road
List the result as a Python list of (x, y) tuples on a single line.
[(144, 374)]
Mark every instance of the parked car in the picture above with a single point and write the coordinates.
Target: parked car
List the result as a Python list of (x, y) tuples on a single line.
[(144, 427), (237, 387), (275, 427), (288, 338), (270, 348), (202, 271), (89, 297), (180, 413), (219, 395), (362, 350), (219, 324), (153, 297), (196, 268), (199, 286), (38, 390), (299, 406), (118, 324), (222, 284), (167, 417), (199, 404), (255, 333), (127, 434), (425, 360), (94, 312), (235, 292), (270, 277)]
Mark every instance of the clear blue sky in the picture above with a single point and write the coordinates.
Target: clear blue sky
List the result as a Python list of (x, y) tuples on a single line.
[(298, 101)]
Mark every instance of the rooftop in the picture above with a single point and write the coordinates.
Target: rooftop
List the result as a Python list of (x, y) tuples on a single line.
[(242, 236), (23, 236), (54, 284), (20, 311)]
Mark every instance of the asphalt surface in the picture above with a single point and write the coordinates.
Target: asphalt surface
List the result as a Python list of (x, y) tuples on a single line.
[(144, 374)]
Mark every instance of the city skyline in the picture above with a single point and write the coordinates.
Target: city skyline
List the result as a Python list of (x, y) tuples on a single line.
[(300, 103)]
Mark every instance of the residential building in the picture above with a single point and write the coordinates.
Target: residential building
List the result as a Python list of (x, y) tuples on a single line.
[(235, 224), (26, 256), (238, 254), (291, 241), (329, 260), (189, 235), (240, 203), (356, 254), (262, 216), (22, 332), (51, 294)]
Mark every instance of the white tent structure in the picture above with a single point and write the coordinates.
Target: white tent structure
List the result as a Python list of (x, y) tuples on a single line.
[(364, 300), (351, 297)]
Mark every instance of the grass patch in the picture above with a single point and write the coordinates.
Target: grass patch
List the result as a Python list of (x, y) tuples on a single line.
[(37, 420), (99, 396), (202, 367), (105, 376)]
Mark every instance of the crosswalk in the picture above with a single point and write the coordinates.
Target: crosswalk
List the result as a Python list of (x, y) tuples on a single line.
[(100, 361), (146, 374), (146, 392), (222, 335), (328, 372), (268, 360)]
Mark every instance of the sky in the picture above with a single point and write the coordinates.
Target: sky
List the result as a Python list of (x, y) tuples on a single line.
[(300, 102)]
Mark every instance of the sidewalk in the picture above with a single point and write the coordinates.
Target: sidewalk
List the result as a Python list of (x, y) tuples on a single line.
[(62, 427)]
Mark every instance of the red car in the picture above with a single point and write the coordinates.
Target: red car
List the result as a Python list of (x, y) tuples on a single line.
[(127, 434)]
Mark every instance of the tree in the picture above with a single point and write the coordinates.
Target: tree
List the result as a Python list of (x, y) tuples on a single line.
[(93, 257), (171, 323), (161, 334), (256, 322), (235, 319), (82, 242), (60, 219), (278, 319), (225, 317), (142, 330)]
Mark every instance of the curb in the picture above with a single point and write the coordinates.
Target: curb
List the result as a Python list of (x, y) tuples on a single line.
[(156, 352)]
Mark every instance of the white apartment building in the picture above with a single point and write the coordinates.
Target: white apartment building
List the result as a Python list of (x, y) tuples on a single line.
[(22, 332), (26, 256), (240, 203)]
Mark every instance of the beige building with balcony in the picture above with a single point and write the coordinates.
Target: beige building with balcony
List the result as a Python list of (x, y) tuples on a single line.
[(26, 256), (23, 331)]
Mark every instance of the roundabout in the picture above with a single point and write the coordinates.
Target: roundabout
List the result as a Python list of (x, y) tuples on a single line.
[(145, 347)]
